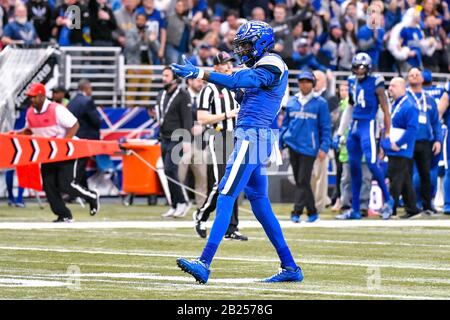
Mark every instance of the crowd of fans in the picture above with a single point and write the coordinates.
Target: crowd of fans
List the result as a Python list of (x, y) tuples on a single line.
[(310, 34)]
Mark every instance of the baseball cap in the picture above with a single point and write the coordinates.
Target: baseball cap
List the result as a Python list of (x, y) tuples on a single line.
[(36, 89), (306, 75), (303, 42), (222, 58), (205, 46), (427, 76), (335, 24)]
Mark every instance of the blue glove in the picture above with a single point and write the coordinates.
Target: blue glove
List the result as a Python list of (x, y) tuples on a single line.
[(188, 71)]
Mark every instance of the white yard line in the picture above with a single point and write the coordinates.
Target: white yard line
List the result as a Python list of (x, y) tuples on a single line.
[(14, 282), (244, 259), (21, 281), (441, 223), (330, 241)]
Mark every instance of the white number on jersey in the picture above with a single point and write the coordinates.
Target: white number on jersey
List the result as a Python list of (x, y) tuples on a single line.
[(360, 100)]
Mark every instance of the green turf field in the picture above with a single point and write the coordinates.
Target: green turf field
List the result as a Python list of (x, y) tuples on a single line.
[(338, 263)]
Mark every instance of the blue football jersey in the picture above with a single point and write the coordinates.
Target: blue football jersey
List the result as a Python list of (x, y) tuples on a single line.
[(364, 97), (435, 92), (260, 106)]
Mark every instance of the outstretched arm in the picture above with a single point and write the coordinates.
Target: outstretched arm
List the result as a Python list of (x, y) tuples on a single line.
[(264, 75)]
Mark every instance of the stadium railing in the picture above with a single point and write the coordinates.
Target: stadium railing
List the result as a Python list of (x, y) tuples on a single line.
[(118, 84), (100, 65)]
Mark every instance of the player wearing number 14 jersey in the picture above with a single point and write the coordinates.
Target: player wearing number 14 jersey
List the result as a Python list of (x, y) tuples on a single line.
[(367, 93)]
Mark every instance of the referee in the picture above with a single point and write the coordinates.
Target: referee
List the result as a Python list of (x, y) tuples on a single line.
[(218, 108)]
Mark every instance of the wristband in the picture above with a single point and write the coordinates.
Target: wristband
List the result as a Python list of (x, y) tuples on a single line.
[(201, 73)]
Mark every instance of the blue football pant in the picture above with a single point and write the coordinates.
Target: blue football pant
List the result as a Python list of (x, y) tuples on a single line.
[(245, 171), (361, 141)]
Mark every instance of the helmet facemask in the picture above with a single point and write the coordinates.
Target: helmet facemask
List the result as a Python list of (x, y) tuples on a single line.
[(244, 50), (360, 71)]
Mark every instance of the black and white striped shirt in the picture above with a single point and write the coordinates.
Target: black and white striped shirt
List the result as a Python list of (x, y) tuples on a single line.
[(218, 100)]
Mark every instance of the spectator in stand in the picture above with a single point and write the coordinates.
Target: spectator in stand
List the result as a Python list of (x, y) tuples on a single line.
[(156, 25), (178, 37), (333, 47), (3, 22), (163, 6), (197, 10), (102, 23), (40, 13), (202, 29), (435, 59), (140, 44), (248, 7), (227, 42), (204, 57), (20, 30), (370, 36), (349, 46), (63, 18), (258, 14), (8, 10), (351, 13), (305, 11), (283, 27), (125, 19), (411, 35), (393, 13), (233, 21), (304, 59)]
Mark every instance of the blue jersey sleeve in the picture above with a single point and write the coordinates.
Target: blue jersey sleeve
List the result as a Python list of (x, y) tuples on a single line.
[(435, 123), (263, 76), (324, 127)]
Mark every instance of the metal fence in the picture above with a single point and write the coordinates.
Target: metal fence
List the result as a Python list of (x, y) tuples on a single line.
[(118, 84)]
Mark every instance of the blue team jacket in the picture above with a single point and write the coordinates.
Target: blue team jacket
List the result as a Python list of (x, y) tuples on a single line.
[(404, 116), (306, 129), (430, 131)]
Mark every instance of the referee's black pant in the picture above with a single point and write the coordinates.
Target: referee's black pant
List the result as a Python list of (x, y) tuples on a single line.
[(302, 167), (61, 177), (422, 157), (400, 183), (221, 146)]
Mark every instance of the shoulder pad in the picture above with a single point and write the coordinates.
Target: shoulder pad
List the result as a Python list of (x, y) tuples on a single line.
[(379, 79), (272, 60)]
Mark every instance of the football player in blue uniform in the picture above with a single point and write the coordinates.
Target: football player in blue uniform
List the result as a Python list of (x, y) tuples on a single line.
[(367, 93), (264, 83), (444, 112)]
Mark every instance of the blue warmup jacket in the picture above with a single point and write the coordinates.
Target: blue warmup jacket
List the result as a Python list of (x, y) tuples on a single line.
[(306, 129), (431, 130), (404, 116)]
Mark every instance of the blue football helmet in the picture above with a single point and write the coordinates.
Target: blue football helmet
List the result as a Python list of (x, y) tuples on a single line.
[(253, 39), (361, 65)]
